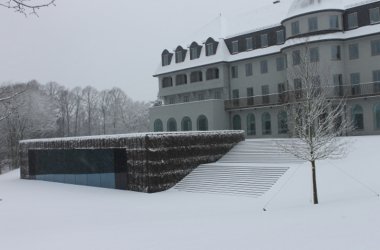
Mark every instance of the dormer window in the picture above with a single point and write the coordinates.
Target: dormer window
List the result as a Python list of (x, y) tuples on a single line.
[(195, 51), (280, 36), (178, 57), (211, 47), (235, 47), (264, 40), (352, 20), (249, 43), (166, 58), (180, 54), (374, 15)]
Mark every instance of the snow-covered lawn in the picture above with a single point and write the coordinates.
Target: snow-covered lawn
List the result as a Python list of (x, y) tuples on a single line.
[(41, 215)]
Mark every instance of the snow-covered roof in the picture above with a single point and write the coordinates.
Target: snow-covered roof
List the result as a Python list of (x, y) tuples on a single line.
[(261, 18), (305, 6)]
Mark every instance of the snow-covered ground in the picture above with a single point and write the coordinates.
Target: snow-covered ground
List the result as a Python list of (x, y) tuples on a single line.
[(41, 215)]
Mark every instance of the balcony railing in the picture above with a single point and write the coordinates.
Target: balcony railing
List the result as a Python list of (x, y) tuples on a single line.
[(291, 96)]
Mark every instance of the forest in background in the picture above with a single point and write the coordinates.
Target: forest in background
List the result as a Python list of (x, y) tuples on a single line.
[(33, 110)]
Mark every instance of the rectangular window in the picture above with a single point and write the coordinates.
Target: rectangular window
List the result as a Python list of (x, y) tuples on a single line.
[(338, 85), (352, 20), (186, 98), (295, 28), (280, 36), (264, 66), (282, 95), (210, 49), (178, 57), (264, 40), (355, 83), (375, 47), (201, 96), (235, 97), (165, 60), (235, 47), (249, 43), (314, 55), (376, 81), (334, 22), (234, 72), (248, 69), (280, 63), (353, 51), (374, 15), (194, 53), (265, 93), (335, 53), (297, 88), (313, 24), (296, 54), (250, 96)]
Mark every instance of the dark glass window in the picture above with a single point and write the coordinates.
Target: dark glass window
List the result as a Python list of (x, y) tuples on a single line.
[(352, 20), (186, 124), (249, 43), (251, 124), (172, 125), (235, 47), (355, 83), (335, 53), (212, 73), (266, 123), (264, 40), (374, 15), (280, 36), (234, 72), (353, 51), (264, 67), (248, 69), (158, 127), (295, 28), (296, 54), (236, 122), (334, 22), (265, 94), (181, 79), (280, 63), (202, 123), (375, 47), (313, 24), (282, 122), (196, 76), (357, 115), (167, 82), (314, 55)]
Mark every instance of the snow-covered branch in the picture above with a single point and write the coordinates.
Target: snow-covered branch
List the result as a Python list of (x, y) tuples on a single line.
[(26, 6)]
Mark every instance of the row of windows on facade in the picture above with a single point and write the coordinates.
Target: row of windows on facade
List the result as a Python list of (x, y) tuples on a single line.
[(352, 21), (297, 86), (353, 51), (195, 76), (266, 122), (250, 43), (198, 96), (186, 124)]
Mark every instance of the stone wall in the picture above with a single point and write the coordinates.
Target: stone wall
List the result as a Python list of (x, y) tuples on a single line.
[(155, 161)]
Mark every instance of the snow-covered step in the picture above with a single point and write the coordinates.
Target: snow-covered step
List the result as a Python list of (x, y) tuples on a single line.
[(251, 168)]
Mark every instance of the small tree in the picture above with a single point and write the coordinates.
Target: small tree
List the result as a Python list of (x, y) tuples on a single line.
[(316, 115)]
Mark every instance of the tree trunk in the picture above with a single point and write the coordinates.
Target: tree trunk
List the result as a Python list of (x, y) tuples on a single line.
[(315, 192)]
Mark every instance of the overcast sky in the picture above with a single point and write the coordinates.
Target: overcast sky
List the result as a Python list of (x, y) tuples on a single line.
[(103, 43)]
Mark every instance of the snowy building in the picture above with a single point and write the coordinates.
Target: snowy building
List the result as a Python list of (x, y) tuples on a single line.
[(236, 78)]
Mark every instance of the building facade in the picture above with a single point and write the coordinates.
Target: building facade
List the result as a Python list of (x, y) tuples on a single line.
[(239, 80)]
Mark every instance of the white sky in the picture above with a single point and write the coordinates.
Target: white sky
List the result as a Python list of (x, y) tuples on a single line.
[(103, 43)]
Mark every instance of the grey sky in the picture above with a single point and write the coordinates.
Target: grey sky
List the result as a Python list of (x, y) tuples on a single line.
[(103, 43)]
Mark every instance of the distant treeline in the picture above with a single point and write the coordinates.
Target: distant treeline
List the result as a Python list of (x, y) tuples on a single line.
[(34, 110)]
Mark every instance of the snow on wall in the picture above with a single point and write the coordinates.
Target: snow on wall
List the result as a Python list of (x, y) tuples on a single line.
[(155, 161)]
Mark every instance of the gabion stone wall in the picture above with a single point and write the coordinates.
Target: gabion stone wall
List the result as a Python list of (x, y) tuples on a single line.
[(152, 162)]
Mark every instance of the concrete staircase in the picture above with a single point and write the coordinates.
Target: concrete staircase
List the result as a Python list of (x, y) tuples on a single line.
[(251, 168)]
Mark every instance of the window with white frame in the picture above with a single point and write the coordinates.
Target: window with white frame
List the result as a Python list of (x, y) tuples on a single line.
[(313, 24), (280, 36), (264, 40), (374, 15), (235, 47), (334, 22), (352, 20), (249, 43), (295, 26)]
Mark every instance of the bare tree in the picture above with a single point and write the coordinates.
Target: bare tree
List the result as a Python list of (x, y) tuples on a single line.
[(90, 99), (27, 6), (317, 117), (104, 106)]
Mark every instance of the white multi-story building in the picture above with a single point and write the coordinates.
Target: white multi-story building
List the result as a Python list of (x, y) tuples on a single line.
[(238, 80)]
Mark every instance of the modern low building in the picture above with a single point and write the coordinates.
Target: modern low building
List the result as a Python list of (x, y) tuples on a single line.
[(237, 79)]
